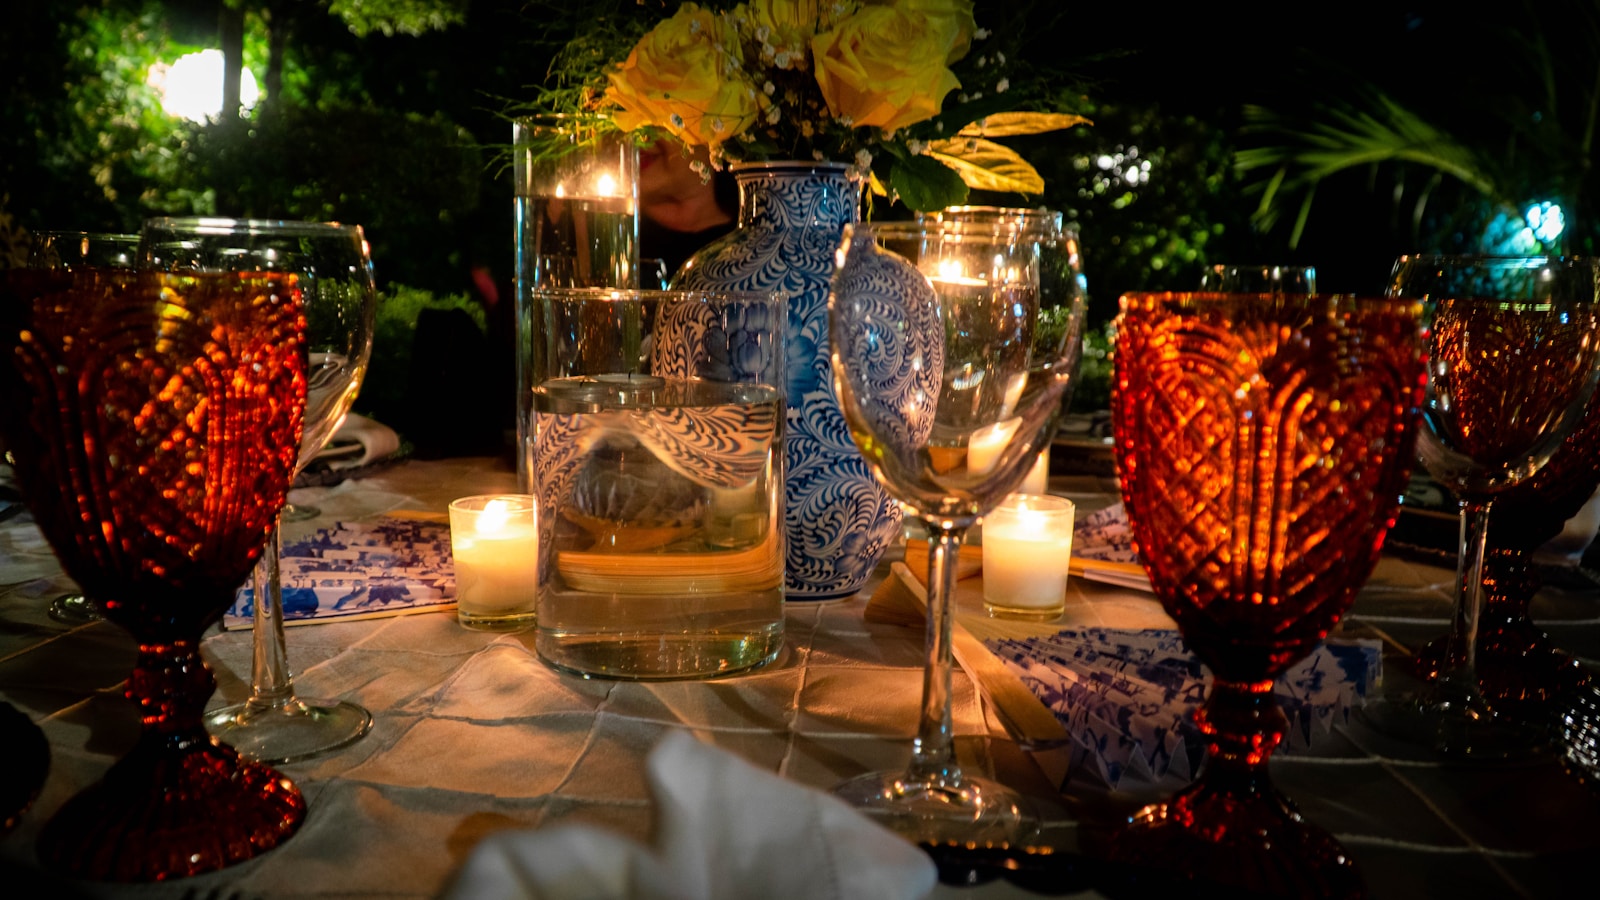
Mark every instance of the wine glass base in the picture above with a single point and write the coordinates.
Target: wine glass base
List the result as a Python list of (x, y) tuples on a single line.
[(289, 732), (1459, 728), (1255, 844), (1520, 672), (298, 512), (164, 813), (976, 810), (74, 609)]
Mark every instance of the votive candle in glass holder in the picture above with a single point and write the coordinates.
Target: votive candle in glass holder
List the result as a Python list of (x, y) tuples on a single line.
[(1027, 546), (494, 539)]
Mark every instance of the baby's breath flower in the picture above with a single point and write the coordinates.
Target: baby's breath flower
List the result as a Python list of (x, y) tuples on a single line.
[(782, 59), (1003, 85), (917, 147), (981, 33), (774, 114), (817, 155), (807, 129), (863, 159), (768, 88), (983, 61), (999, 58), (846, 121)]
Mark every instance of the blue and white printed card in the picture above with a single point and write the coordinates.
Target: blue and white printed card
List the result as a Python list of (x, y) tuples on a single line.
[(359, 570)]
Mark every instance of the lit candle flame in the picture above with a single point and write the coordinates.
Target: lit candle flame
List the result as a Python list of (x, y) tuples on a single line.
[(495, 515), (606, 186)]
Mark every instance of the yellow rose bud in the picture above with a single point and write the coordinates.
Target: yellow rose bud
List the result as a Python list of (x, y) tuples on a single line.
[(884, 67), (688, 67), (952, 16)]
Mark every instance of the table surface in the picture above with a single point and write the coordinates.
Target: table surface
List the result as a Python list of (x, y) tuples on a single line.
[(474, 735)]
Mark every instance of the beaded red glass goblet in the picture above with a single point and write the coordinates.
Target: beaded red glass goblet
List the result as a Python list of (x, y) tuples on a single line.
[(155, 419), (1263, 443)]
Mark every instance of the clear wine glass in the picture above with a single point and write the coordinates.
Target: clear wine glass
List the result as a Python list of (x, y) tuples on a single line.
[(334, 272), (154, 418), (1259, 278), (73, 250), (937, 335), (1514, 345)]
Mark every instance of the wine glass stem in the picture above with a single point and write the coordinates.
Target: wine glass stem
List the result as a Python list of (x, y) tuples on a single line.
[(1242, 724), (1462, 659), (271, 684), (932, 759), (171, 683)]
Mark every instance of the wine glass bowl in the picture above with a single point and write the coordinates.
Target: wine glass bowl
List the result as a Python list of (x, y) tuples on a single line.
[(937, 336), (1513, 351), (154, 420), (1263, 443), (334, 273)]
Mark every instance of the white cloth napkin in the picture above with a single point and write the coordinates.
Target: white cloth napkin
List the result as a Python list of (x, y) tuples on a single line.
[(725, 830), (358, 441)]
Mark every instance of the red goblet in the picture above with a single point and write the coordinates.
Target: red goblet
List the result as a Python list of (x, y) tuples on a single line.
[(1263, 443), (155, 419)]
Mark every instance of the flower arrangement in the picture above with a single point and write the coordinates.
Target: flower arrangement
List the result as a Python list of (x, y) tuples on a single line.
[(901, 90)]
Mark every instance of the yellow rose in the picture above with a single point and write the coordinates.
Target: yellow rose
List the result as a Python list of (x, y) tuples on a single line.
[(953, 16), (791, 23), (885, 67), (686, 76)]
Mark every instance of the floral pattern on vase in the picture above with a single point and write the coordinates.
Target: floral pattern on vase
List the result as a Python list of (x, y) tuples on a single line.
[(838, 520)]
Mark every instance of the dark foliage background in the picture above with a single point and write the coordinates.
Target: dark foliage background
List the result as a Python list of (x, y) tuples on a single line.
[(399, 129)]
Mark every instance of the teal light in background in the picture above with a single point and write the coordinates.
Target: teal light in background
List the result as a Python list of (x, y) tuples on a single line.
[(1545, 221)]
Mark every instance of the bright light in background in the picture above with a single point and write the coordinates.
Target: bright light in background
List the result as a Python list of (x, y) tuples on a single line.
[(191, 88), (1546, 221)]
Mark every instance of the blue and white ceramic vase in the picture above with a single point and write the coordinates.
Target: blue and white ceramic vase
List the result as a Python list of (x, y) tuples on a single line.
[(838, 520)]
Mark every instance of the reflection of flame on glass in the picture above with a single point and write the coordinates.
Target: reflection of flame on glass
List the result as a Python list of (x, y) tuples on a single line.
[(986, 444), (495, 515), (1014, 387), (605, 186), (953, 271)]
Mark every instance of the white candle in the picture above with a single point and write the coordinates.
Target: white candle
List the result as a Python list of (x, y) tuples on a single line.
[(1038, 480), (495, 543), (1027, 545)]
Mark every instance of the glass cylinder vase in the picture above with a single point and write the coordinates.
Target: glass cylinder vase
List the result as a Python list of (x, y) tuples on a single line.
[(577, 226)]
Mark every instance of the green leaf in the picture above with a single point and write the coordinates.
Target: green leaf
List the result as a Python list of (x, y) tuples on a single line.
[(1011, 123), (925, 184), (988, 166)]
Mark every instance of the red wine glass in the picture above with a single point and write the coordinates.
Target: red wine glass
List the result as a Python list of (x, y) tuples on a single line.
[(1263, 443), (154, 419), (1513, 349)]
